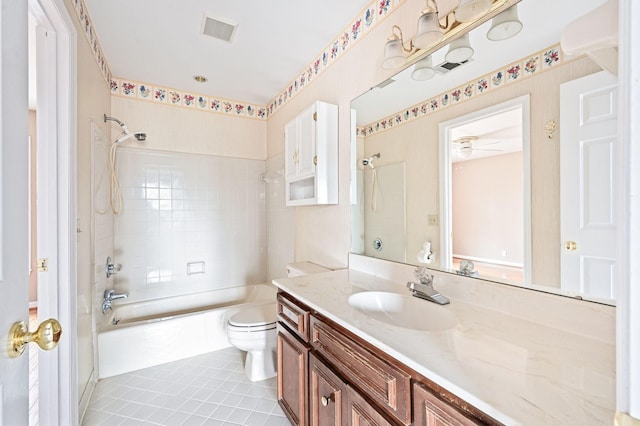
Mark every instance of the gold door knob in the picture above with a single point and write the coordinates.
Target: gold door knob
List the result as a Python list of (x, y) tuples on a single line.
[(570, 246), (46, 336)]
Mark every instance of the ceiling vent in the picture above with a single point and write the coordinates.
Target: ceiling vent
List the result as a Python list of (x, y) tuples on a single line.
[(221, 29), (446, 67)]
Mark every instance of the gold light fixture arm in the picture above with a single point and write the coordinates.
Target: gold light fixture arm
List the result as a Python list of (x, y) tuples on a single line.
[(398, 36), (46, 336)]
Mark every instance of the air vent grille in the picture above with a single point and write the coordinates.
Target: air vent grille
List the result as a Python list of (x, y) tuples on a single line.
[(445, 67), (221, 29)]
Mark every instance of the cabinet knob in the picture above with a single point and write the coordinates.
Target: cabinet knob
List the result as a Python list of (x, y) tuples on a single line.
[(570, 246), (315, 160), (325, 400)]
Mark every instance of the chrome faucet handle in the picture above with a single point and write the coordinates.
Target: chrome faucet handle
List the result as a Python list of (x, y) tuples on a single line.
[(107, 294), (112, 268)]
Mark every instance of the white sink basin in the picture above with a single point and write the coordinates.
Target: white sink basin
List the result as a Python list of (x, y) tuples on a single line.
[(403, 310)]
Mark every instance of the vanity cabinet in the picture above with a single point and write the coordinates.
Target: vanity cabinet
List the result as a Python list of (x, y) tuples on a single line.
[(293, 365), (311, 156), (429, 410), (385, 383), (327, 394), (329, 376)]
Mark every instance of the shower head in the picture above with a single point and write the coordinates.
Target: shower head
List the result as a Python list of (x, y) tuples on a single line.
[(369, 161), (126, 133), (140, 136)]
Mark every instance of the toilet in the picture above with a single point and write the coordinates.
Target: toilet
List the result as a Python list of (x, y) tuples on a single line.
[(253, 330)]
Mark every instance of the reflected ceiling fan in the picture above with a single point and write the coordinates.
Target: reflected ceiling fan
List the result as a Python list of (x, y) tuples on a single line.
[(464, 147)]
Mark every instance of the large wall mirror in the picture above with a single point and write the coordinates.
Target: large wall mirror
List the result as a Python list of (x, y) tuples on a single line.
[(486, 168)]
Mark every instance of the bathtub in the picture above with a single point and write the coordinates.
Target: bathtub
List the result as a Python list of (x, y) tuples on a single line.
[(144, 334)]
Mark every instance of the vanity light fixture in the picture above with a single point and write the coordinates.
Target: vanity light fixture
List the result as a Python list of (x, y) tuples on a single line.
[(436, 26), (423, 69), (460, 50), (429, 31), (470, 10), (505, 25), (428, 34), (394, 50)]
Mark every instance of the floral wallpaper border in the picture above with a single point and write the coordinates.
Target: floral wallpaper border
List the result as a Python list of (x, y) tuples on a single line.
[(92, 37), (164, 95), (373, 14), (362, 24), (521, 69)]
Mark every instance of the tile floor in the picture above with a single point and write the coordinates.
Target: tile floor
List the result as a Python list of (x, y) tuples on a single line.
[(209, 389)]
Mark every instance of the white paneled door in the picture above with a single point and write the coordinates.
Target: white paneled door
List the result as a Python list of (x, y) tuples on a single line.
[(588, 135), (14, 393)]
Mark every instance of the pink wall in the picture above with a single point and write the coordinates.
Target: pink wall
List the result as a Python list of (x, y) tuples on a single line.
[(486, 224)]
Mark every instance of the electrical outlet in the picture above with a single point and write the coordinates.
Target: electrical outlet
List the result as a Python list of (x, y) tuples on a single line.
[(432, 219)]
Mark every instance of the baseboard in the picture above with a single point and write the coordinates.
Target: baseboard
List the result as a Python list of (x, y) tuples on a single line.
[(86, 398)]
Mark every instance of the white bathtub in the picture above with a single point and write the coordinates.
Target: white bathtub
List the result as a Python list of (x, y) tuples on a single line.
[(164, 330)]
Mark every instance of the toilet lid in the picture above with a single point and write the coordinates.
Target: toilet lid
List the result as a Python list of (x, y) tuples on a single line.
[(254, 315)]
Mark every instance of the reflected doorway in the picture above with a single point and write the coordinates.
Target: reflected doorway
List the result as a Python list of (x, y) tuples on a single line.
[(485, 194)]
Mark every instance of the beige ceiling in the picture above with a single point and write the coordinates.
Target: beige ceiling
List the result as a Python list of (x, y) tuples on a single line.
[(160, 42)]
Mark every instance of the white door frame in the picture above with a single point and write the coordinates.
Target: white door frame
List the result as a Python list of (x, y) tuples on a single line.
[(445, 127), (57, 288), (628, 302)]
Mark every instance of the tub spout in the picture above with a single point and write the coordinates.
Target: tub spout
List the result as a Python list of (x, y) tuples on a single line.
[(109, 296)]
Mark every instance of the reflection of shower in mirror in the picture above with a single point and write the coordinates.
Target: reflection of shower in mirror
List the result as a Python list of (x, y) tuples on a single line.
[(369, 161)]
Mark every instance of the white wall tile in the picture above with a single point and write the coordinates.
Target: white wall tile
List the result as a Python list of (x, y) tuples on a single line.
[(189, 208)]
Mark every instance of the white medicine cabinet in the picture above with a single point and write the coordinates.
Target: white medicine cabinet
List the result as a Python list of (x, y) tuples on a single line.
[(311, 156)]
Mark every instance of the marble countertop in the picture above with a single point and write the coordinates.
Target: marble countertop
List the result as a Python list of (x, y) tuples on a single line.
[(517, 371)]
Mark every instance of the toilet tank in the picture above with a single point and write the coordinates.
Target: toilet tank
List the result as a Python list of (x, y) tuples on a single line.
[(304, 268)]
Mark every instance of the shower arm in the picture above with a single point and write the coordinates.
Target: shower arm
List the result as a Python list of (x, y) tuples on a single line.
[(120, 123)]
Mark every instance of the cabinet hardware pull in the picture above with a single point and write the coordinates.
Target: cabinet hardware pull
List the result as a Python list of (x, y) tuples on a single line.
[(315, 160), (325, 400)]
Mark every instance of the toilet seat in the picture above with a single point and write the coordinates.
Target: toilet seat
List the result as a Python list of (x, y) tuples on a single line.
[(254, 318)]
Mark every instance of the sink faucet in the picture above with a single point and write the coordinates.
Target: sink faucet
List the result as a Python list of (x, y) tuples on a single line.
[(424, 289), (466, 269), (109, 296)]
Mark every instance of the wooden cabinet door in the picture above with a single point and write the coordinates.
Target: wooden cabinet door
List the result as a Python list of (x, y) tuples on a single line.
[(293, 367), (429, 410), (360, 413), (327, 394)]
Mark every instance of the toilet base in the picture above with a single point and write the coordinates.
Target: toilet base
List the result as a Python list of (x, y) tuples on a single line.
[(261, 365)]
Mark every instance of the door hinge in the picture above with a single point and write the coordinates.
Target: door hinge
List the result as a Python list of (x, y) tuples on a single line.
[(42, 265), (315, 116)]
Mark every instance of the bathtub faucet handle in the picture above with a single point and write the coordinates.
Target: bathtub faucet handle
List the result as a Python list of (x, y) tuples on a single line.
[(112, 268)]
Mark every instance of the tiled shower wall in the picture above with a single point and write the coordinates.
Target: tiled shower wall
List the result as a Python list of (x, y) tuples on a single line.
[(280, 221), (189, 223)]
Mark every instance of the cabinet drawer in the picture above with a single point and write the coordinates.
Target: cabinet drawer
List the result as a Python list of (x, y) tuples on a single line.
[(294, 316), (360, 412), (429, 410), (384, 383)]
